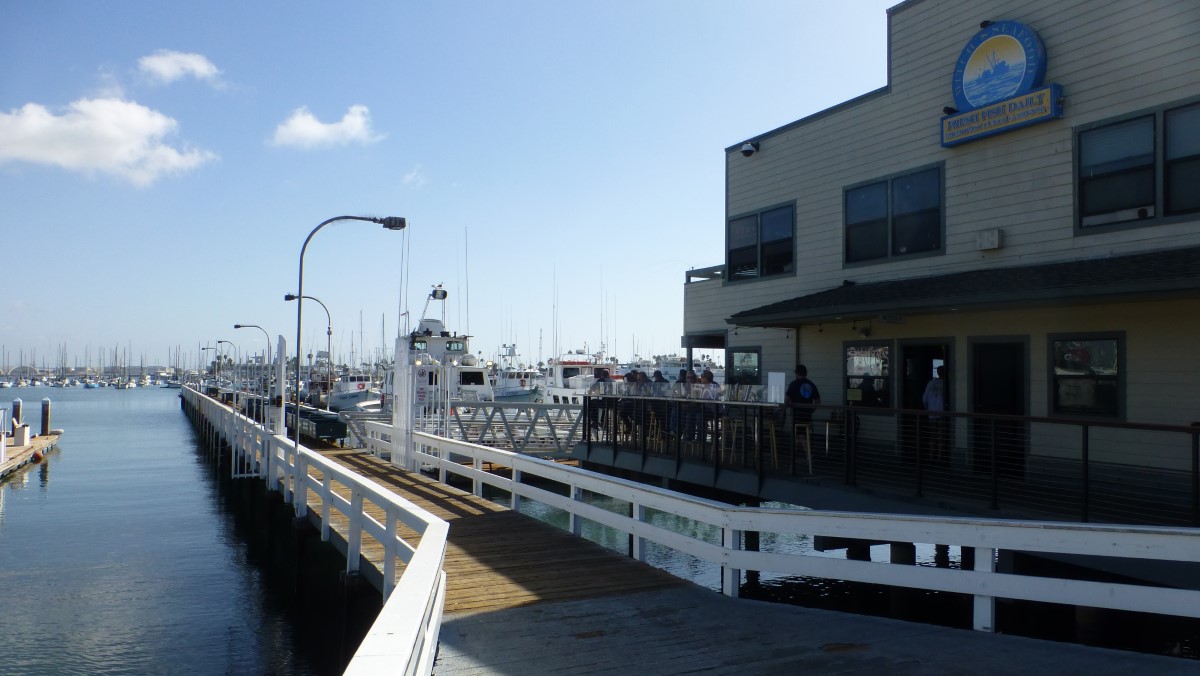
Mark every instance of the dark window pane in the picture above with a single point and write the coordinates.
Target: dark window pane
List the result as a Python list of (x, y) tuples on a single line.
[(1086, 376), (1086, 396), (1129, 190), (744, 366), (777, 224), (866, 241), (777, 257), (921, 191), (867, 203), (916, 232), (743, 263), (743, 232), (1117, 147), (1183, 132), (1183, 186)]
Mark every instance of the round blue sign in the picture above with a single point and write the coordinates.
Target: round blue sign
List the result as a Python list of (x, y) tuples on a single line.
[(1003, 60)]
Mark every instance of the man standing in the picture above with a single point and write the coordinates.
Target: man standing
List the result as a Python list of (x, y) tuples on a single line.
[(934, 399), (801, 395)]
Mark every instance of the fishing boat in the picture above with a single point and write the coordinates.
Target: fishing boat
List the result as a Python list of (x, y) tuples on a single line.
[(513, 381), (350, 389), (443, 367), (569, 376)]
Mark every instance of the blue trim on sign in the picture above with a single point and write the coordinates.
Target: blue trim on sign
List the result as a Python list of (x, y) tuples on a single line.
[(1034, 63)]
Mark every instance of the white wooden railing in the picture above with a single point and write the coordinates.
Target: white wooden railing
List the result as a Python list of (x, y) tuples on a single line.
[(404, 637), (985, 536)]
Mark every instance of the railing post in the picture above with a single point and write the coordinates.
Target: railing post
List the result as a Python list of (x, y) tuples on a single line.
[(476, 484), (920, 464), (637, 545), (354, 529), (731, 540), (326, 505), (1084, 493), (389, 551), (514, 498), (576, 523), (985, 606)]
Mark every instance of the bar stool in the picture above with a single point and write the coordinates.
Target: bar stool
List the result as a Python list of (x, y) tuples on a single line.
[(731, 428), (807, 428)]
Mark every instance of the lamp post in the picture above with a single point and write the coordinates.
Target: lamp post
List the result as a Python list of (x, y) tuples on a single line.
[(266, 355), (389, 223), (328, 338)]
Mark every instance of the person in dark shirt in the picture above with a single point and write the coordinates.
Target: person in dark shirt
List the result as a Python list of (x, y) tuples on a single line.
[(802, 394)]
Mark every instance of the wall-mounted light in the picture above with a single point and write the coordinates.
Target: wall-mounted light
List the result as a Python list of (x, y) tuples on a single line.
[(749, 149), (950, 110), (984, 24)]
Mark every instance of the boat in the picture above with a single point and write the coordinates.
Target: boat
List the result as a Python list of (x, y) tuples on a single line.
[(569, 376), (442, 363), (513, 381), (350, 389)]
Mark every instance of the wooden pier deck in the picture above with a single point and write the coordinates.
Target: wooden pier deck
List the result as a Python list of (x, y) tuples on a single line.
[(19, 456), (525, 597)]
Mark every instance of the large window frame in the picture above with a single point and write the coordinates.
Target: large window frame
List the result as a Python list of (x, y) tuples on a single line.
[(734, 365), (761, 244), (1086, 375), (1135, 170), (895, 217), (870, 363)]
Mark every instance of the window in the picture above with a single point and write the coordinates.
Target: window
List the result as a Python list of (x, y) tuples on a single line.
[(743, 366), (1139, 170), (760, 245), (1086, 375), (897, 216), (868, 374)]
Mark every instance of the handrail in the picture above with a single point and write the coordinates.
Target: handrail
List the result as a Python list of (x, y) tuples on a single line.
[(985, 536), (406, 630)]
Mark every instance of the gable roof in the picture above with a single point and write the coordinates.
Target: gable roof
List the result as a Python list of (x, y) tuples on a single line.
[(1154, 274)]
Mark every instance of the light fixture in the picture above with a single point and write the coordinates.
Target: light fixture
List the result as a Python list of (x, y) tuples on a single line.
[(949, 110), (749, 148), (984, 24)]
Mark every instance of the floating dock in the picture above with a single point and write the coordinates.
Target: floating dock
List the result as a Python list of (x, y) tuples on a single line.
[(16, 457)]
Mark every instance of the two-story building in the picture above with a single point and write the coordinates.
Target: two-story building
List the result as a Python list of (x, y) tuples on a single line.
[(1020, 203)]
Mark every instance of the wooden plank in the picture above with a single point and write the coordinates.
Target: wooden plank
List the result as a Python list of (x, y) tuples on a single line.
[(497, 558)]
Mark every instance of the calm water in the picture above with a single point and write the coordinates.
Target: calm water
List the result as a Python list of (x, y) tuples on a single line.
[(123, 552)]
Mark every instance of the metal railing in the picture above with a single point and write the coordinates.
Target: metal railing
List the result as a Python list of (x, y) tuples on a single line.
[(404, 636), (1075, 469), (984, 537)]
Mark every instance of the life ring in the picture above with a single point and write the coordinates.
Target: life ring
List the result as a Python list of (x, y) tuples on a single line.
[(362, 386)]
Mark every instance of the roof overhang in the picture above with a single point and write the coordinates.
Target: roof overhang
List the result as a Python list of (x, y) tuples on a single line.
[(1159, 274)]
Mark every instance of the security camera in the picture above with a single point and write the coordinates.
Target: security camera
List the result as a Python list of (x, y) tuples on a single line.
[(748, 149)]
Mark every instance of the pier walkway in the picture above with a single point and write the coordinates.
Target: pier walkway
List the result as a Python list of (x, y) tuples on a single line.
[(524, 597)]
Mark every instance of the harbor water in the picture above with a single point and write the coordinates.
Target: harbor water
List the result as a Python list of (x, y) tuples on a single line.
[(124, 551)]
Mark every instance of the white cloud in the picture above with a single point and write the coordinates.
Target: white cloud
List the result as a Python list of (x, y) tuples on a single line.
[(415, 177), (303, 130), (167, 66), (103, 135)]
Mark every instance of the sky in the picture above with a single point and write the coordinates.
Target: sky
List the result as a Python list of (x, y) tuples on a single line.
[(560, 165)]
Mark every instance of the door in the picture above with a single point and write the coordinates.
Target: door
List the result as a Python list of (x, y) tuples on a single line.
[(999, 387), (916, 434)]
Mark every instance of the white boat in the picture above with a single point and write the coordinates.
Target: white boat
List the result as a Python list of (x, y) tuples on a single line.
[(351, 389), (443, 366), (513, 381), (569, 376)]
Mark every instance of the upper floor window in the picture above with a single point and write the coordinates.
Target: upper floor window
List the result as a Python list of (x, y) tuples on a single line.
[(1139, 169), (760, 245), (897, 216)]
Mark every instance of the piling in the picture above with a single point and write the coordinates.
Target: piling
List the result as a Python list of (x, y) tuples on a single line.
[(46, 417), (16, 412)]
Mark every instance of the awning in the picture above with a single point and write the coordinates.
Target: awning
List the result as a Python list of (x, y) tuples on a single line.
[(703, 341), (1145, 275)]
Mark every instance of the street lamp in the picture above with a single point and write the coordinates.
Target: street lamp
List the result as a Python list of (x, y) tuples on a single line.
[(266, 355), (328, 340), (389, 223)]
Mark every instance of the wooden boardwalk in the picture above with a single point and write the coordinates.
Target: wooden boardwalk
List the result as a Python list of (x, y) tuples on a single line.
[(497, 558), (19, 456), (526, 598)]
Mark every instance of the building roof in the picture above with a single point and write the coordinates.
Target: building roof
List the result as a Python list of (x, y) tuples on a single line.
[(1154, 274)]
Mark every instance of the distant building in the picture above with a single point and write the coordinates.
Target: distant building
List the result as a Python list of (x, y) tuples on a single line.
[(1021, 202)]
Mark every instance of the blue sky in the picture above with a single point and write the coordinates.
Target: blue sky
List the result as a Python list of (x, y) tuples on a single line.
[(560, 164)]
